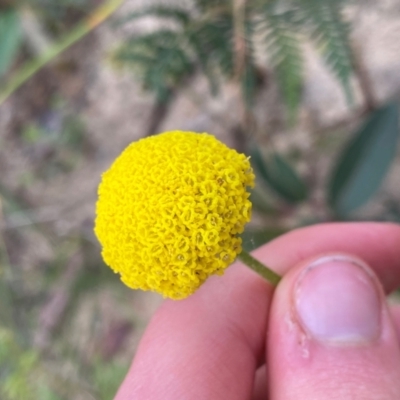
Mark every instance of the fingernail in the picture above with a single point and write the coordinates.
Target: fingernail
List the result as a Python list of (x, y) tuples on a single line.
[(337, 300)]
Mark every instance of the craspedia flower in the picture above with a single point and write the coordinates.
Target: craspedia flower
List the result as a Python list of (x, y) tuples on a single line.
[(170, 210)]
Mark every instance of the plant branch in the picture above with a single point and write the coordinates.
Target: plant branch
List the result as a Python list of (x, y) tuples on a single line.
[(239, 36), (364, 79)]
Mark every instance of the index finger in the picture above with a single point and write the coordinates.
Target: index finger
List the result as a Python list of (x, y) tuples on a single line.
[(209, 345)]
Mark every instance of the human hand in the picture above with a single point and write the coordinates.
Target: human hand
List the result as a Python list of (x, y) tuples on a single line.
[(326, 333)]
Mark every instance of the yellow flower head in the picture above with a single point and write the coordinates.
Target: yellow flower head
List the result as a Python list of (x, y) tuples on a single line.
[(170, 210)]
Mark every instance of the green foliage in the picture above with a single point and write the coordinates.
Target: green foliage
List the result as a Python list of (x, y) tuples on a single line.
[(16, 368), (207, 37), (277, 174), (365, 161), (284, 49), (165, 58), (48, 11), (10, 38), (159, 58), (330, 32), (107, 377), (212, 39), (24, 376)]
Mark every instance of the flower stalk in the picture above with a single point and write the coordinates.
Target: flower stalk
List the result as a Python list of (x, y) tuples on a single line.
[(262, 270)]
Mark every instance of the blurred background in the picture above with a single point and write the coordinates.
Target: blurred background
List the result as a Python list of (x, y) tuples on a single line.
[(308, 88)]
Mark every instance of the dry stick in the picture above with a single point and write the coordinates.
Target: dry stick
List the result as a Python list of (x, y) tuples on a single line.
[(247, 125), (363, 78), (32, 67), (239, 39)]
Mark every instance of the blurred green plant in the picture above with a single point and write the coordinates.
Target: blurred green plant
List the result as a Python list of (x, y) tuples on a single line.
[(364, 162), (16, 368), (9, 44), (220, 38), (31, 369), (278, 174), (11, 32), (356, 176), (10, 38), (24, 375)]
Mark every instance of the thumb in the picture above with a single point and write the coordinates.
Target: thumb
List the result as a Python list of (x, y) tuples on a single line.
[(331, 334)]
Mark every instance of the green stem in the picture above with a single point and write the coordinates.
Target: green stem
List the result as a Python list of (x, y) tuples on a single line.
[(259, 268), (32, 67)]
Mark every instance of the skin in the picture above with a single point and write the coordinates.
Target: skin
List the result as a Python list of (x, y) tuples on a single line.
[(231, 339)]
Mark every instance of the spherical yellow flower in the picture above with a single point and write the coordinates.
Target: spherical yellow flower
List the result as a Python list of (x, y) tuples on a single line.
[(170, 210)]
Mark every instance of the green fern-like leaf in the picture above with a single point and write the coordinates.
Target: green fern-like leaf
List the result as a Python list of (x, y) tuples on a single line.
[(330, 32), (203, 58), (159, 58), (212, 40), (212, 44), (284, 49), (204, 37)]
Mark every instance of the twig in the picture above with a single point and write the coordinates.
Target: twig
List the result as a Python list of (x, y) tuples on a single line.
[(239, 36), (159, 112), (363, 79), (32, 67)]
